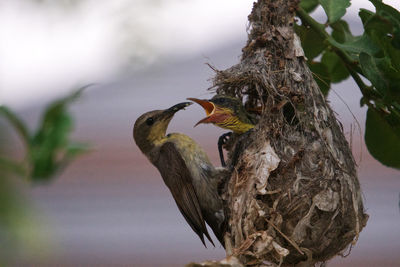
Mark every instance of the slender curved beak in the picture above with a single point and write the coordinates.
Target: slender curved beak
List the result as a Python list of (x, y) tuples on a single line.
[(169, 112), (178, 107)]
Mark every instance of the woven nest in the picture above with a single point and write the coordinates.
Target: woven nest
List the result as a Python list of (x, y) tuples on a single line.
[(293, 195)]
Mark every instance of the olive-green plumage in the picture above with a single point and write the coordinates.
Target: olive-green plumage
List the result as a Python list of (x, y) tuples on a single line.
[(185, 169)]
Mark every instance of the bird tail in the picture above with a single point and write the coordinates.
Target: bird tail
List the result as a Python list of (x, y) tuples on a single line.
[(209, 239)]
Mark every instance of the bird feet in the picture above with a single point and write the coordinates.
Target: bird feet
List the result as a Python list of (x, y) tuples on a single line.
[(222, 140)]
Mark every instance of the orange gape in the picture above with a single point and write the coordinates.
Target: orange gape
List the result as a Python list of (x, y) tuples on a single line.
[(223, 116)]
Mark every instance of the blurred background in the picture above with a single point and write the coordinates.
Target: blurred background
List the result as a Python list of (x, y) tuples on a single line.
[(110, 206)]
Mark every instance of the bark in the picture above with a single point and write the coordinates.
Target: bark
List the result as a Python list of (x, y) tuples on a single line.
[(293, 197)]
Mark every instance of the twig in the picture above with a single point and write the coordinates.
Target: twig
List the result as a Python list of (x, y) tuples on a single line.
[(286, 237)]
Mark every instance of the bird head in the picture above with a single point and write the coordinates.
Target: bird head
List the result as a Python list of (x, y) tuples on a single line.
[(226, 112), (151, 126)]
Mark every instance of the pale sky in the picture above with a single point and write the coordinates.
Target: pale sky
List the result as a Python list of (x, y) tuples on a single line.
[(46, 50)]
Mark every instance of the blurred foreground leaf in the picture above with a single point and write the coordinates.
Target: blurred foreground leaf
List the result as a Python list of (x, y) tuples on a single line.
[(20, 232), (49, 149)]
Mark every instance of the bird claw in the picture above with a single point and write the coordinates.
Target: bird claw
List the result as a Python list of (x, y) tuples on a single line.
[(222, 140)]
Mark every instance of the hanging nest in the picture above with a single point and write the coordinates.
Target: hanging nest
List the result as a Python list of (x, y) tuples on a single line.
[(293, 196)]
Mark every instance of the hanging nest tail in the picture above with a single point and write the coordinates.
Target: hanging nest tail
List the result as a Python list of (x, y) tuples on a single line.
[(293, 197)]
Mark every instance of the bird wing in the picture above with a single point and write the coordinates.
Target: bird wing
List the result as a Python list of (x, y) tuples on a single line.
[(178, 178)]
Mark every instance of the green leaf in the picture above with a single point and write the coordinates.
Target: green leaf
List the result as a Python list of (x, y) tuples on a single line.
[(12, 166), (50, 145), (373, 73), (14, 219), (334, 9), (380, 31), (321, 76), (365, 15), (16, 122), (391, 53), (358, 45), (309, 5), (341, 32), (382, 137), (21, 233), (382, 75), (337, 70), (377, 27), (392, 15), (71, 152), (75, 149), (312, 43)]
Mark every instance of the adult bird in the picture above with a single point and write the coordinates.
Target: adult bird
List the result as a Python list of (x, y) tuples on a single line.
[(226, 112), (185, 169)]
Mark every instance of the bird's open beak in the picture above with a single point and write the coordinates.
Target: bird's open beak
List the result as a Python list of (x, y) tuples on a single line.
[(213, 112), (208, 106)]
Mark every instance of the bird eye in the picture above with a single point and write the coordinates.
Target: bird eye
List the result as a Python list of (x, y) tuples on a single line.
[(150, 121), (220, 100)]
